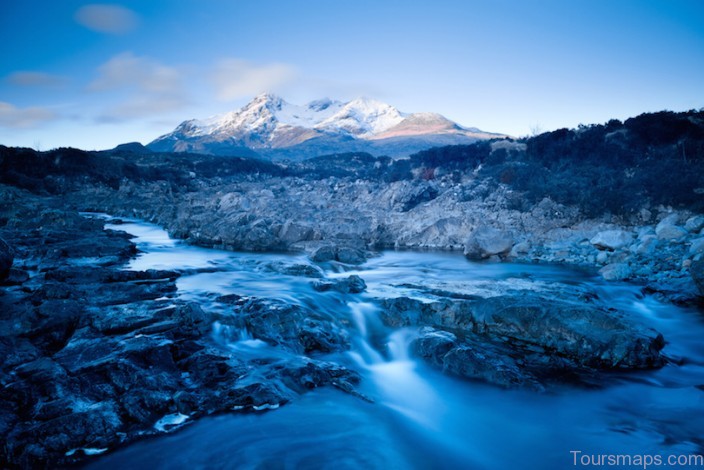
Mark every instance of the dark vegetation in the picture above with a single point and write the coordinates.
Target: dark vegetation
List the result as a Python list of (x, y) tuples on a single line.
[(617, 167)]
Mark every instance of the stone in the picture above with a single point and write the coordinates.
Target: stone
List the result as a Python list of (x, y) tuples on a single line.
[(670, 232), (647, 246), (350, 285), (616, 272), (697, 246), (694, 224), (611, 240), (323, 253), (485, 241)]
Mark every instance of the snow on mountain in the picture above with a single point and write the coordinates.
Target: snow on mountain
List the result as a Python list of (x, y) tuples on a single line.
[(268, 123)]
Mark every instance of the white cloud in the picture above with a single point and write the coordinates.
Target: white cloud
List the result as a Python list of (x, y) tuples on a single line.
[(34, 79), (236, 78), (153, 88), (24, 118), (107, 18)]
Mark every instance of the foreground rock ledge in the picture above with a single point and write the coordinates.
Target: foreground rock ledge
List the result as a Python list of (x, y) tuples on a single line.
[(524, 341)]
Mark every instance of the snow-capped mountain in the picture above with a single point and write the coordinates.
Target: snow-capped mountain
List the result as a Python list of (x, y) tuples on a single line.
[(272, 127)]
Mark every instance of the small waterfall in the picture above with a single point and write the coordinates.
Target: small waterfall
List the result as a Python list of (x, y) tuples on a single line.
[(395, 373), (235, 338)]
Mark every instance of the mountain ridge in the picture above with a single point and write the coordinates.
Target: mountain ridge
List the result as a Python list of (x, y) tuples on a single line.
[(270, 127)]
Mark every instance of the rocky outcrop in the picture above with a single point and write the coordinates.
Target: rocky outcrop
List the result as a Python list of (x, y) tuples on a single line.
[(524, 340), (93, 356), (485, 241)]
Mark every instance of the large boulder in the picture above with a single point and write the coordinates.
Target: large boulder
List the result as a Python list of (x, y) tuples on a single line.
[(668, 229), (695, 224), (611, 239), (6, 259), (485, 241), (545, 333)]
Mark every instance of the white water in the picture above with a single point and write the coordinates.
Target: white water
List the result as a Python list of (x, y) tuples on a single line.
[(421, 418)]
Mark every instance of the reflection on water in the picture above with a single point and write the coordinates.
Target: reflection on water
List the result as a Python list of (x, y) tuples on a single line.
[(421, 418)]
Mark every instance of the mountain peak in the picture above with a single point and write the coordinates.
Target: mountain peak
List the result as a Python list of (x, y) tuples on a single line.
[(268, 122)]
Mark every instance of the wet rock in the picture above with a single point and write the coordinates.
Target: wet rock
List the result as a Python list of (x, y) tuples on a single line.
[(485, 241), (6, 258), (350, 285), (616, 272), (293, 327), (547, 334), (324, 253), (350, 255), (611, 240), (343, 254)]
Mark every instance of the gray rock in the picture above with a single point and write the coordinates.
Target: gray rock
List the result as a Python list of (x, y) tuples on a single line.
[(670, 232), (324, 253), (351, 285), (611, 239), (694, 224), (587, 336), (485, 241), (616, 272), (647, 246), (697, 246)]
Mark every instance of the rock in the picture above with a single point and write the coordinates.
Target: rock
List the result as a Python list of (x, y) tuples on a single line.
[(671, 219), (697, 246), (349, 255), (550, 334), (351, 285), (423, 192), (521, 248), (323, 253), (6, 258), (670, 232), (486, 241), (616, 272), (293, 327), (694, 224), (696, 270), (611, 240), (647, 246), (292, 232), (602, 257)]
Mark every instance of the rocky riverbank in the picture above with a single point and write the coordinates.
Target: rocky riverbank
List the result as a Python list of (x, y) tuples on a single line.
[(349, 219), (94, 356)]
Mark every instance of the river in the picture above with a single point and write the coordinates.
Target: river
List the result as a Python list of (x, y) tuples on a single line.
[(421, 418)]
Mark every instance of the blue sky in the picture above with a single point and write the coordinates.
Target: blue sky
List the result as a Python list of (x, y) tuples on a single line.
[(75, 73)]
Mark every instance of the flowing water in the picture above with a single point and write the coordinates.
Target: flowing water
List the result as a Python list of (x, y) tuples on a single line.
[(421, 418)]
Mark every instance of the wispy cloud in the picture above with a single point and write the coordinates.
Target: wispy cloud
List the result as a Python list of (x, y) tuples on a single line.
[(107, 18), (24, 118), (34, 79), (152, 87), (236, 78)]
